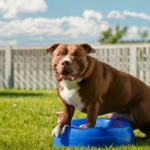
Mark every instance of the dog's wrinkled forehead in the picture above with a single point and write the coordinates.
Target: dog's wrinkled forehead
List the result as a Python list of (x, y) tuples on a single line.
[(71, 47)]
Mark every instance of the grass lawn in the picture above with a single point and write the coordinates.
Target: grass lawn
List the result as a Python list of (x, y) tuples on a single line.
[(27, 118)]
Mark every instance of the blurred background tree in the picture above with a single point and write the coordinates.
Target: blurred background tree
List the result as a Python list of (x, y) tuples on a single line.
[(143, 34), (112, 35)]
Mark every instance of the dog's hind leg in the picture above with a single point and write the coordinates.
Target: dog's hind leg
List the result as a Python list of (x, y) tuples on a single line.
[(146, 130)]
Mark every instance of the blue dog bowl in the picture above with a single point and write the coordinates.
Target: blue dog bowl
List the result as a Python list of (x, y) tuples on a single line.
[(107, 132)]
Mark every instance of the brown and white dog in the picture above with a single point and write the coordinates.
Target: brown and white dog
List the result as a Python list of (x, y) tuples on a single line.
[(95, 88)]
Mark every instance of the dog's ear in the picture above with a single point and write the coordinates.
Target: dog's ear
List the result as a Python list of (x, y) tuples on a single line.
[(88, 48), (52, 48)]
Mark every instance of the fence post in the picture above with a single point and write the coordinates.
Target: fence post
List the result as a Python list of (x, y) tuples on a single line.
[(8, 67), (133, 61)]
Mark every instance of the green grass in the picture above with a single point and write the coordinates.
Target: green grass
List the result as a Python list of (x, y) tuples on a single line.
[(27, 118)]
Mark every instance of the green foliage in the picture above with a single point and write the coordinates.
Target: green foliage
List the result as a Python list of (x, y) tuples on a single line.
[(27, 118), (143, 34), (111, 36)]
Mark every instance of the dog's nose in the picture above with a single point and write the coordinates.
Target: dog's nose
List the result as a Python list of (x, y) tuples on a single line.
[(66, 63)]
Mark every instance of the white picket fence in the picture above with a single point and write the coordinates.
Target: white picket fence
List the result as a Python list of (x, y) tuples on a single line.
[(28, 67)]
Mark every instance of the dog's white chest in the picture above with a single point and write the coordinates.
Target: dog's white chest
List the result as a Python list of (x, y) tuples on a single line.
[(70, 94)]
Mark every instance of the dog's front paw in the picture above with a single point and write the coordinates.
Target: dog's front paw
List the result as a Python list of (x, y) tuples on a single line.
[(58, 131), (82, 126), (111, 115)]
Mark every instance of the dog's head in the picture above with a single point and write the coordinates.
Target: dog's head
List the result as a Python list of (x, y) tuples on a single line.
[(69, 60)]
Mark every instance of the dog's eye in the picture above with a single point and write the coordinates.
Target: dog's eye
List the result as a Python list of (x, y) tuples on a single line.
[(76, 55), (58, 54)]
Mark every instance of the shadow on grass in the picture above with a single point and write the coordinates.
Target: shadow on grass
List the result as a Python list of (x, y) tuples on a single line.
[(27, 93), (139, 141), (12, 94)]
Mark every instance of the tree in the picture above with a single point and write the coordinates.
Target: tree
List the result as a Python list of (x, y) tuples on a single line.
[(111, 35), (143, 34)]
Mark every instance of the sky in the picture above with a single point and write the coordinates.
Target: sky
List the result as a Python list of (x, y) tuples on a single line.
[(45, 22)]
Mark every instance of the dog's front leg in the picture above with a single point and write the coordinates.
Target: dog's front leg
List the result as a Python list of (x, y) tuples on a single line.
[(68, 113), (92, 113)]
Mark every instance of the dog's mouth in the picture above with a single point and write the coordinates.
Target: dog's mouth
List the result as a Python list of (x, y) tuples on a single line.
[(66, 75)]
